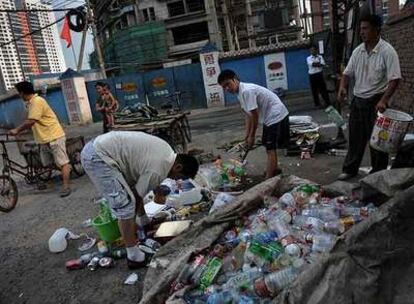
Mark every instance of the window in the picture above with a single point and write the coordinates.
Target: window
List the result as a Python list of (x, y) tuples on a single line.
[(176, 8), (149, 14)]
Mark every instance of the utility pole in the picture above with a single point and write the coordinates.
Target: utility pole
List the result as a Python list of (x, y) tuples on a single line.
[(95, 39), (82, 48), (227, 26), (249, 25)]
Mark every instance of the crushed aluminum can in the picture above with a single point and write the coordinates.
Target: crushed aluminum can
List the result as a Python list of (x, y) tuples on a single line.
[(93, 264), (106, 262), (75, 264)]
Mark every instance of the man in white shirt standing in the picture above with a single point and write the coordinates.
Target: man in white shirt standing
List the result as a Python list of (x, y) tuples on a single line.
[(375, 66), (124, 167), (315, 69), (260, 104)]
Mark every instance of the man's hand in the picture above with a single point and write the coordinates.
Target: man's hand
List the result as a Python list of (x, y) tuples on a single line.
[(381, 106), (342, 94), (13, 132)]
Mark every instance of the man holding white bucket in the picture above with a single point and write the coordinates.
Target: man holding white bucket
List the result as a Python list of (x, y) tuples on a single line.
[(375, 67)]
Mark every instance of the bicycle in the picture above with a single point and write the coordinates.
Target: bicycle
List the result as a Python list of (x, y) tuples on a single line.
[(34, 172)]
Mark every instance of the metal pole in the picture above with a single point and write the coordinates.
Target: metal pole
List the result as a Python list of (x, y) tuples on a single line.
[(227, 26), (82, 49), (96, 40), (16, 46)]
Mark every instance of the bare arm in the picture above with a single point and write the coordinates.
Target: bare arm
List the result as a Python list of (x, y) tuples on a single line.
[(343, 87), (253, 123), (247, 126), (27, 124), (383, 103)]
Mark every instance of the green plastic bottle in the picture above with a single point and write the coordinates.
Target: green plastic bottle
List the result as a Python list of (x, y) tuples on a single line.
[(268, 252), (208, 276)]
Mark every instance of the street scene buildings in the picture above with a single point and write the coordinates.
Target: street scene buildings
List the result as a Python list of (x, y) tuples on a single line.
[(206, 151)]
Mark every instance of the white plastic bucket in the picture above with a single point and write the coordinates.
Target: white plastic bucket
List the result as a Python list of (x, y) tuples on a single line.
[(389, 130)]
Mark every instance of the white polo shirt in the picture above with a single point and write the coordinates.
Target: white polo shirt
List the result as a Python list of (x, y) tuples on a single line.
[(314, 59), (372, 72), (271, 109)]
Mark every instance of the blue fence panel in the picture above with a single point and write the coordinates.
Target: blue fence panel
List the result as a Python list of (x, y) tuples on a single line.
[(297, 70), (12, 113), (56, 101), (128, 89), (158, 84), (188, 79), (249, 70), (93, 96)]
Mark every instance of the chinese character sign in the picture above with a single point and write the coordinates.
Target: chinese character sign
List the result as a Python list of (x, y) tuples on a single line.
[(275, 67), (211, 70)]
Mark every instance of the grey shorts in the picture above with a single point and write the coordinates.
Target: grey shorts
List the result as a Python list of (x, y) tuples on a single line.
[(109, 182), (54, 152)]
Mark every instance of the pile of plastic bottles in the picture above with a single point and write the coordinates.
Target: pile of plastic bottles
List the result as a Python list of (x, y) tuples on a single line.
[(265, 252)]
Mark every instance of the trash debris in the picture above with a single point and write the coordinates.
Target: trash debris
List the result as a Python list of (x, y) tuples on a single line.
[(131, 279), (87, 244), (87, 223), (265, 252), (58, 240), (337, 152), (106, 262), (221, 200)]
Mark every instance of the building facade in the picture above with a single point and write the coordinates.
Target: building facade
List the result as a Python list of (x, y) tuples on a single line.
[(31, 53), (321, 11), (188, 25)]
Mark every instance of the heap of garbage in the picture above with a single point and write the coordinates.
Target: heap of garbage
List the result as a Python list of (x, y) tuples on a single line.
[(265, 252), (304, 134)]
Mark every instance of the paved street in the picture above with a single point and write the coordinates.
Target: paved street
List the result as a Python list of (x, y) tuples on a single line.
[(32, 273)]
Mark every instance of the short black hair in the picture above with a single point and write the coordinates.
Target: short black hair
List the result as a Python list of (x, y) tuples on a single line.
[(226, 75), (189, 163), (100, 84), (372, 19), (24, 87), (313, 46)]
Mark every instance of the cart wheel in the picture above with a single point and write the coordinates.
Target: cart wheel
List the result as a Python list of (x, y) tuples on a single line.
[(185, 126), (8, 193), (179, 141), (75, 161)]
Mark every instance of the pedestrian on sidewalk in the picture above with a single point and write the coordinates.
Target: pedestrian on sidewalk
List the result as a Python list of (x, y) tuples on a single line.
[(260, 105), (315, 69), (47, 132), (124, 167), (375, 67)]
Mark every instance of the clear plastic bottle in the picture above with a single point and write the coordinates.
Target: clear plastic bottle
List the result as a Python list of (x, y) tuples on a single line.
[(223, 297), (280, 226), (277, 281), (279, 214), (266, 237), (287, 200), (243, 279), (334, 227), (323, 213), (235, 260), (308, 222), (323, 242)]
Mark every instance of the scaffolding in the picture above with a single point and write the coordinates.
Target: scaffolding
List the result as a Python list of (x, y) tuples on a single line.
[(134, 46)]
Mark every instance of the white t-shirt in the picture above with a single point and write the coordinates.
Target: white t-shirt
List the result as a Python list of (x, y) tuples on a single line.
[(372, 72), (271, 109), (315, 59), (144, 160)]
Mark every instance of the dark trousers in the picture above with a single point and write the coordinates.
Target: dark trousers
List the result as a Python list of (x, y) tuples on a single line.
[(361, 122), (318, 86), (105, 123)]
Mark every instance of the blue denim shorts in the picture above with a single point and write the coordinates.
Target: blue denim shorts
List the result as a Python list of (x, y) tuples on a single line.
[(109, 182)]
